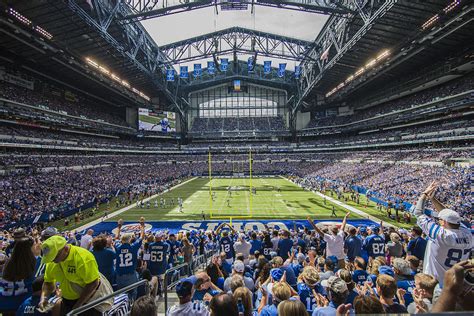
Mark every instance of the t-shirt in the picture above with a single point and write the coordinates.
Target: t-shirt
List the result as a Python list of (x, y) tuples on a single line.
[(375, 246), (79, 267), (105, 260), (29, 307), (284, 247), (395, 309), (158, 262), (267, 250), (196, 308), (269, 310), (199, 295), (127, 257), (243, 248), (417, 247), (354, 246), (174, 249), (359, 276), (86, 241), (408, 285), (256, 246), (306, 296), (227, 247), (335, 245)]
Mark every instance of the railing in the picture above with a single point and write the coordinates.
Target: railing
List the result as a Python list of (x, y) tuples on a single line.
[(95, 303), (174, 279)]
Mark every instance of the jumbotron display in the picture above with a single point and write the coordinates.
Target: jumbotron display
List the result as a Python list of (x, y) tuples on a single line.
[(151, 120)]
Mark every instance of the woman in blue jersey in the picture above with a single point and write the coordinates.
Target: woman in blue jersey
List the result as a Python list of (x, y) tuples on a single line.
[(307, 283), (18, 276)]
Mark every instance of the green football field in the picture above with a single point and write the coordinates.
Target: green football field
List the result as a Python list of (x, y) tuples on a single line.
[(275, 198)]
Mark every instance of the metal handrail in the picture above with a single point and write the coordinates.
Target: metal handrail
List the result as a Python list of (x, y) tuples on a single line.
[(93, 304), (166, 285)]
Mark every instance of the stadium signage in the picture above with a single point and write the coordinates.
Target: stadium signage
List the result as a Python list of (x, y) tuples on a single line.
[(239, 225), (132, 228)]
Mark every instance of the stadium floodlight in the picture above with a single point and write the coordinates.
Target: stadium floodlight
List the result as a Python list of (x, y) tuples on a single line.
[(19, 17), (382, 55), (92, 63), (430, 22), (370, 63), (125, 83), (104, 70), (115, 77), (359, 72), (43, 32), (451, 6)]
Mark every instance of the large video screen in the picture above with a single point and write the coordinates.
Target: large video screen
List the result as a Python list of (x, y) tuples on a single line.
[(151, 120)]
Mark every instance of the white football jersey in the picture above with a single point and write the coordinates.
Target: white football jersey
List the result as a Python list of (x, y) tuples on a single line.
[(445, 247)]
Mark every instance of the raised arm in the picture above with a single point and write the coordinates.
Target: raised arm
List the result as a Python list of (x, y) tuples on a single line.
[(420, 204), (344, 221), (319, 231)]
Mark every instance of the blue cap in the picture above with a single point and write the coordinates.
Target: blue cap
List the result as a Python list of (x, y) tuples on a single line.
[(363, 229), (333, 259), (184, 288), (374, 228), (276, 274), (386, 270)]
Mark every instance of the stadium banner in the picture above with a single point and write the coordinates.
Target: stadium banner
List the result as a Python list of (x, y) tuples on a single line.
[(281, 70), (239, 225), (250, 64), (197, 70), (169, 74), (211, 67), (224, 64), (267, 67), (183, 72), (297, 72)]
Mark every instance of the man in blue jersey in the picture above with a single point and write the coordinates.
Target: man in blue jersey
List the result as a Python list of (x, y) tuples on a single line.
[(360, 274), (158, 262), (417, 244), (374, 244), (404, 278), (284, 245), (127, 257), (256, 244), (226, 244), (352, 245)]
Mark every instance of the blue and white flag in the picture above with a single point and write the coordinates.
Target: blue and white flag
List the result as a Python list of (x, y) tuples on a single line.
[(250, 64), (297, 72), (281, 70), (197, 70), (267, 67), (169, 74), (224, 64), (183, 72), (211, 67)]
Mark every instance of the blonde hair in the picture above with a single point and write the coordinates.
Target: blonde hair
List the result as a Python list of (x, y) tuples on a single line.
[(374, 268), (310, 275), (427, 282), (281, 291), (246, 296), (292, 308)]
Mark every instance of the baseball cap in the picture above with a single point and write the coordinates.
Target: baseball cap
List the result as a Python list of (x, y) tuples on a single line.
[(450, 216), (335, 284), (386, 270), (363, 229), (374, 228), (403, 231), (276, 274), (48, 232), (184, 288), (51, 247), (239, 266)]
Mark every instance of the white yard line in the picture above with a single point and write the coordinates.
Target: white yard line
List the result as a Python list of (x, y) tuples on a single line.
[(120, 211), (347, 207)]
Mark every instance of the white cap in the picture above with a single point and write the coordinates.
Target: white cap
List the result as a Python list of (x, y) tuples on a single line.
[(239, 266), (450, 216)]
